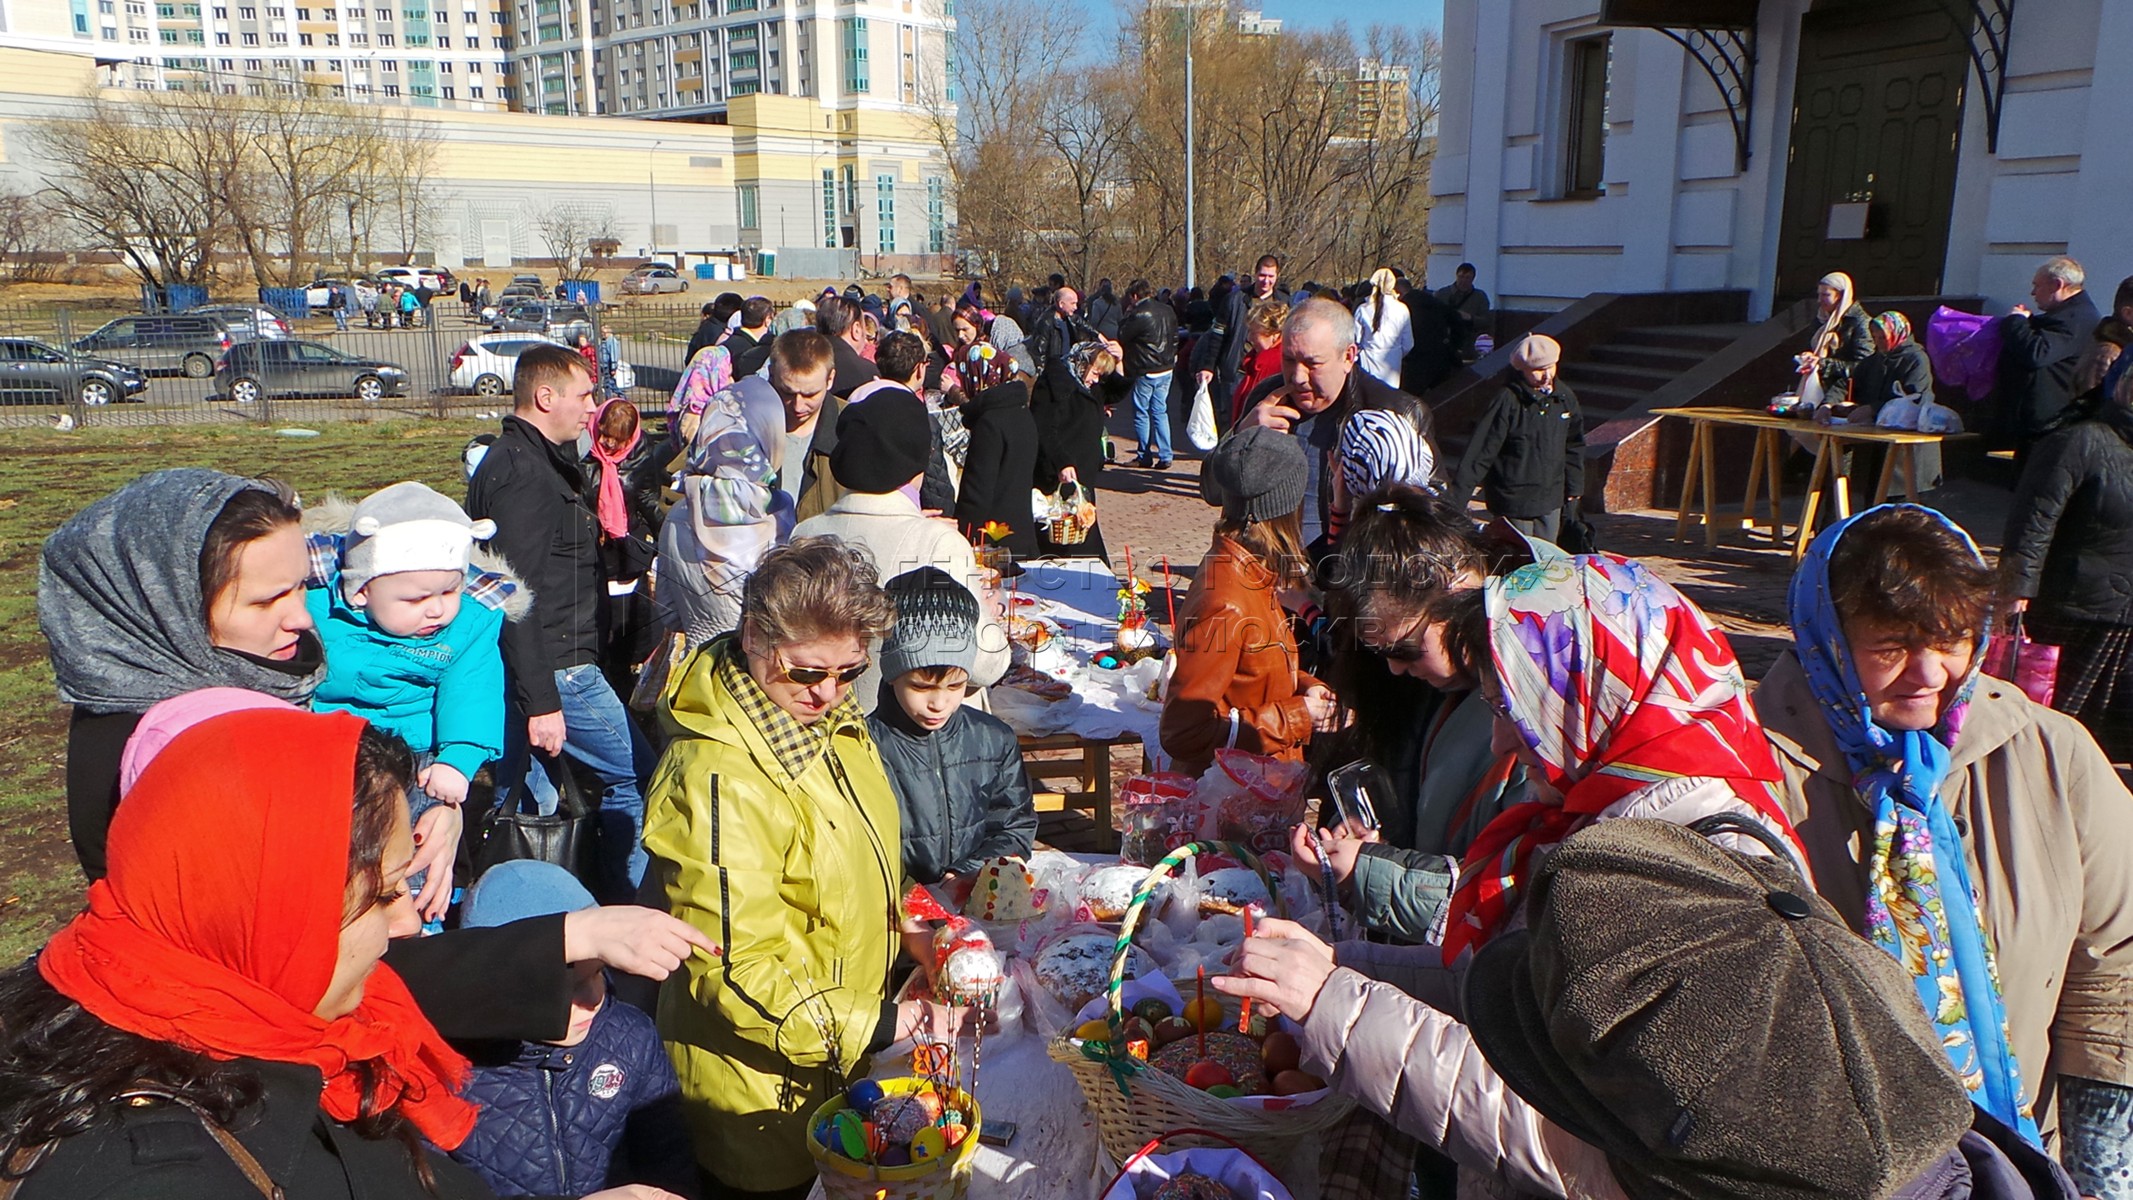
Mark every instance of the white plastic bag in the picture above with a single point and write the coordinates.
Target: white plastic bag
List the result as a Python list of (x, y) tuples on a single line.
[(1900, 413), (1200, 430), (1938, 418), (1811, 393), (625, 376)]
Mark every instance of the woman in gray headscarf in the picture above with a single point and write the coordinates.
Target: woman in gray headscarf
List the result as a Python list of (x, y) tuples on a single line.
[(181, 580)]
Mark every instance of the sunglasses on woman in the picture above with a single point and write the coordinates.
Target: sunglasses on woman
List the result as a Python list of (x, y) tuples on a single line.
[(810, 676)]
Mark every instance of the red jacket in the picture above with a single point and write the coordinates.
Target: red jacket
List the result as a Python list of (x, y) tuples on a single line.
[(1256, 366)]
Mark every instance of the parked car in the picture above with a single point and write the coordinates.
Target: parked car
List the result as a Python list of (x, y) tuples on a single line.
[(34, 372), (162, 343), (319, 292), (561, 321), (488, 363), (650, 281), (249, 320), (253, 371), (436, 279)]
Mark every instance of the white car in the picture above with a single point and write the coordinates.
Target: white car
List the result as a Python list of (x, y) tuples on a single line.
[(435, 279), (650, 281), (486, 364)]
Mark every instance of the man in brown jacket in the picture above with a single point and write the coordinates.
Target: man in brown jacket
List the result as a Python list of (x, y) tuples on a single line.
[(2045, 821)]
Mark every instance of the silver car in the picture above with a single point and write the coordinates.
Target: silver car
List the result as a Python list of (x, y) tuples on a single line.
[(650, 281), (162, 343), (248, 320)]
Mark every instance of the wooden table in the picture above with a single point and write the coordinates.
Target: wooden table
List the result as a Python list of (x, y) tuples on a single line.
[(1093, 773), (1766, 469)]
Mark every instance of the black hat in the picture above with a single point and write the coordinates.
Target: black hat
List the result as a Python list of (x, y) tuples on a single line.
[(1712, 1024), (883, 442), (936, 623)]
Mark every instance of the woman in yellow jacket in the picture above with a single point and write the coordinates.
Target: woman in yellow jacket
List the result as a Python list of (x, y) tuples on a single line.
[(771, 822)]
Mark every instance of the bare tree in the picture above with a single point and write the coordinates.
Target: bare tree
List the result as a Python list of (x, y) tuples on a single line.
[(142, 179), (568, 228), (400, 180), (29, 229)]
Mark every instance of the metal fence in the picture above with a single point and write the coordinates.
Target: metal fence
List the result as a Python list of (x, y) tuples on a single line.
[(654, 331)]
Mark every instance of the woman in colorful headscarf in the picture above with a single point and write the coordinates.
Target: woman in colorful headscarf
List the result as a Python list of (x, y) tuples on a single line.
[(1841, 341), (1897, 368), (218, 1023), (729, 514), (1623, 700), (1978, 837)]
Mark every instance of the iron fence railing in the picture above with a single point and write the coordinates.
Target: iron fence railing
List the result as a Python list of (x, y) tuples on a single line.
[(654, 332)]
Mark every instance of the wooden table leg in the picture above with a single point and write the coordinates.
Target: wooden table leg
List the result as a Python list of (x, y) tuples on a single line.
[(1812, 504), (1775, 473), (1755, 482), (1710, 486), (1888, 474), (1839, 482), (1688, 481)]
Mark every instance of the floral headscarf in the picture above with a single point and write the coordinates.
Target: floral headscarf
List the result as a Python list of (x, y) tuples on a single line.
[(1616, 682), (1920, 904), (1893, 326)]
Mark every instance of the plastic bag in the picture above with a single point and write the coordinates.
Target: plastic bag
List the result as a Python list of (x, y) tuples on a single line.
[(1251, 798), (1900, 413), (1938, 418), (1200, 429), (1244, 1176), (2028, 665), (1158, 814), (1811, 394)]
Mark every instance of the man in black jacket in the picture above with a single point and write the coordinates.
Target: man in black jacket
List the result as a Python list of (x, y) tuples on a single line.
[(2039, 351), (837, 318), (750, 344), (1220, 352), (532, 485), (1148, 344), (1528, 453), (708, 330), (1319, 386)]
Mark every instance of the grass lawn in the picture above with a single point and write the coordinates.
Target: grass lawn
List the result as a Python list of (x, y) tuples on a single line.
[(45, 476)]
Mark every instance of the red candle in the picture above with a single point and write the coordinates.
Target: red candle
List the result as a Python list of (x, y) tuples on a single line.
[(1244, 1010), (1199, 996)]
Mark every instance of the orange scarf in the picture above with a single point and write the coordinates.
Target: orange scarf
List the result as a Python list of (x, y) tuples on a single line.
[(218, 927)]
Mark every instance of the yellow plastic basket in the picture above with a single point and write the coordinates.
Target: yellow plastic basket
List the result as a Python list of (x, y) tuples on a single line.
[(944, 1178)]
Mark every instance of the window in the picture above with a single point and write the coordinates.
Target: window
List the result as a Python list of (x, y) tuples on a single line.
[(936, 215), (250, 39), (392, 89), (853, 30), (333, 39), (848, 189), (385, 39), (885, 214), (749, 205), (829, 208), (222, 39), (1586, 64), (392, 67), (303, 39), (474, 92)]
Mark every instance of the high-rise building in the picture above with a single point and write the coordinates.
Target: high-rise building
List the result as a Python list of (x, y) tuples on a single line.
[(1372, 96), (452, 53), (689, 59)]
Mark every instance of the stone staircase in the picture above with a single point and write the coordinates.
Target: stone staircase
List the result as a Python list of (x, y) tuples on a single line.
[(1618, 375)]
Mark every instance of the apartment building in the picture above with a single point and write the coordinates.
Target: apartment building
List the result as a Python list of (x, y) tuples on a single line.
[(453, 53), (689, 59)]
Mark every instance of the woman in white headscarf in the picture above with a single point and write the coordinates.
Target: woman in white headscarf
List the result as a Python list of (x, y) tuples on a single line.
[(1842, 341)]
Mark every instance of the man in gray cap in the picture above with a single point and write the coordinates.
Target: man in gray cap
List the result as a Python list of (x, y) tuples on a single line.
[(1528, 453), (1677, 1020)]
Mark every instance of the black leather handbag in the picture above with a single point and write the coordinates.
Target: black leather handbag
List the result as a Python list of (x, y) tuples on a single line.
[(568, 838)]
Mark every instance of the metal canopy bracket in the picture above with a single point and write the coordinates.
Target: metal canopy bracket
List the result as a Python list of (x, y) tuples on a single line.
[(1985, 24), (1720, 37)]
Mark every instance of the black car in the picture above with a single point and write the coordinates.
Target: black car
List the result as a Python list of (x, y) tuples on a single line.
[(169, 343), (34, 372), (253, 371)]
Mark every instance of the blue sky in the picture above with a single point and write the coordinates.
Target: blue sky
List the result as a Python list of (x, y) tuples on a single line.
[(1360, 14)]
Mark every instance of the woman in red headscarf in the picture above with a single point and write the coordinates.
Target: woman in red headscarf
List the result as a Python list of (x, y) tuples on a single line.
[(217, 1022)]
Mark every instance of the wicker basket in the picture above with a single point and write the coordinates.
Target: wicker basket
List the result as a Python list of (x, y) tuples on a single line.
[(1135, 1104), (944, 1178)]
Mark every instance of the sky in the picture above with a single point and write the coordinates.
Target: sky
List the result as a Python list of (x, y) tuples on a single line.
[(1360, 14)]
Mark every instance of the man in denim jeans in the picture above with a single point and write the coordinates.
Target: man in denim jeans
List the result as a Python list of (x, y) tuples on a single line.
[(1148, 346), (532, 485)]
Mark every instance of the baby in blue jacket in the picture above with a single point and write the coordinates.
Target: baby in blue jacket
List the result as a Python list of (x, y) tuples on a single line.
[(411, 628)]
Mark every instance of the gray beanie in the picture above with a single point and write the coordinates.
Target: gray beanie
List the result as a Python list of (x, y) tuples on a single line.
[(1256, 475), (407, 527), (936, 624)]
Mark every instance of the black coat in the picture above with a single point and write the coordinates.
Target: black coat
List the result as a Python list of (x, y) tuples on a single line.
[(546, 529), (2069, 541), (1149, 337), (707, 333), (999, 466), (1855, 344), (1528, 453), (1436, 353), (1321, 434), (1070, 424), (749, 352), (2038, 354), (852, 370), (1900, 370), (509, 981), (962, 789)]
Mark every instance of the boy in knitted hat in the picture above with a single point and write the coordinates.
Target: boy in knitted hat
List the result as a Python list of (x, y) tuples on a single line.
[(957, 771), (406, 653)]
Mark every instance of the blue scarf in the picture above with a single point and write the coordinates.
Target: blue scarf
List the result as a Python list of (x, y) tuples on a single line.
[(1920, 904)]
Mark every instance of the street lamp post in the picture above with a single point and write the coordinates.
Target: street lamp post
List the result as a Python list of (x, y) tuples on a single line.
[(1191, 229), (651, 179)]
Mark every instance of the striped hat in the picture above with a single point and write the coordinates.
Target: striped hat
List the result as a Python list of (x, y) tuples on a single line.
[(1379, 450)]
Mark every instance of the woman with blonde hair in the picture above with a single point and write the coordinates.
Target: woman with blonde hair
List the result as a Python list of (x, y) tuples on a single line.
[(1842, 341), (1262, 357), (1237, 681), (1382, 329)]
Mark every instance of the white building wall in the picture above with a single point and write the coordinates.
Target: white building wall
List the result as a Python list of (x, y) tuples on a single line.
[(1680, 214)]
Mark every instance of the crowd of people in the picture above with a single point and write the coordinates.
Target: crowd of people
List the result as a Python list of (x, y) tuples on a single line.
[(1629, 925)]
